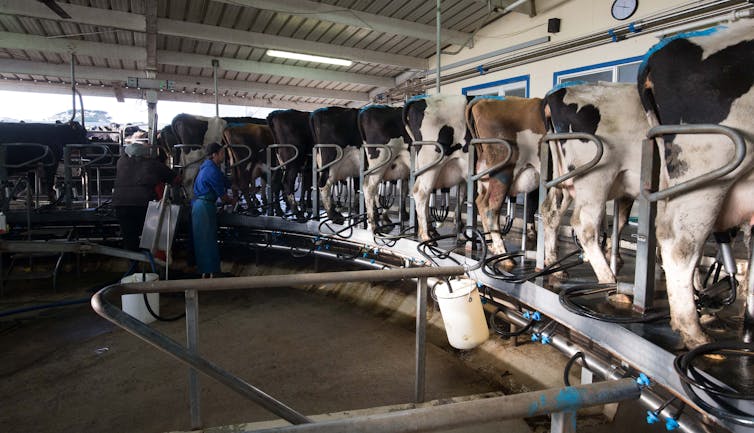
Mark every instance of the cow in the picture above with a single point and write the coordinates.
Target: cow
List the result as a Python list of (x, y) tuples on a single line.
[(53, 136), (336, 125), (380, 124), (199, 130), (518, 121), (257, 138), (704, 77), (612, 112), (439, 118), (292, 127)]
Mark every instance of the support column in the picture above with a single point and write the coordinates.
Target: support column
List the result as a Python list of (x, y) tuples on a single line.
[(646, 242), (421, 338), (192, 331)]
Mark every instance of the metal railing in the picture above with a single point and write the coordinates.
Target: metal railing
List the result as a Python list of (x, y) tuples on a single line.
[(83, 163), (176, 154), (418, 172), (735, 137), (245, 159), (190, 356), (317, 170), (271, 169), (583, 168)]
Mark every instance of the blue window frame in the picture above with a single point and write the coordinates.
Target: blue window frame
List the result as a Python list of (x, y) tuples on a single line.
[(623, 70), (516, 86)]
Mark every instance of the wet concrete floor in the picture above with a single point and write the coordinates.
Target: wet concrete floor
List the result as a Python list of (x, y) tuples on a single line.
[(67, 369)]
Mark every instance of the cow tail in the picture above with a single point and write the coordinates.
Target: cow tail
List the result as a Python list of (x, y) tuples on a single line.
[(361, 128), (470, 124), (271, 124)]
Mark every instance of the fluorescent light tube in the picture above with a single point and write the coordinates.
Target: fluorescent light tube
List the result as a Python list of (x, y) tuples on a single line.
[(309, 58)]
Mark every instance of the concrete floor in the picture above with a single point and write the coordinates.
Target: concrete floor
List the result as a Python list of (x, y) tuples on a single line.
[(67, 369)]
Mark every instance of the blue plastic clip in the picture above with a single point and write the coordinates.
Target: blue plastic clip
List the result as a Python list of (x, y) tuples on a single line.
[(643, 380), (612, 34), (376, 250), (364, 254), (633, 28), (652, 417), (535, 337), (481, 70), (546, 339), (371, 261), (527, 315), (671, 424), (536, 316), (327, 246), (479, 285)]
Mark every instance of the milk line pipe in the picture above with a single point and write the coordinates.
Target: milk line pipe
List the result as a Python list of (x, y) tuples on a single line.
[(479, 411), (648, 398)]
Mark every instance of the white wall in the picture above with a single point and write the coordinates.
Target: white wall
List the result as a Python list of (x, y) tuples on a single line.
[(578, 18)]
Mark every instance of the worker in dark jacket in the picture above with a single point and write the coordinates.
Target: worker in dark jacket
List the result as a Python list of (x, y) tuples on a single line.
[(209, 186), (136, 176)]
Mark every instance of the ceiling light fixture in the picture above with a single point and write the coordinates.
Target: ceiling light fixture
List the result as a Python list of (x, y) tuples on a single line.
[(309, 58)]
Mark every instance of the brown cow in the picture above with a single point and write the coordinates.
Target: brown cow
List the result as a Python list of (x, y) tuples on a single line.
[(518, 121), (257, 137)]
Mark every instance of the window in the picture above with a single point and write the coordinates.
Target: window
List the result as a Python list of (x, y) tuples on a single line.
[(619, 71), (516, 86)]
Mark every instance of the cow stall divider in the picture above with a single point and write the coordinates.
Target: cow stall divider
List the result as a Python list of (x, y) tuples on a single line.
[(176, 156), (270, 171), (473, 177), (84, 161), (416, 172), (316, 170), (30, 164), (364, 172)]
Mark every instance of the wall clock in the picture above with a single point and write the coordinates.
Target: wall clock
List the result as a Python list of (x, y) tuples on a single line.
[(623, 9)]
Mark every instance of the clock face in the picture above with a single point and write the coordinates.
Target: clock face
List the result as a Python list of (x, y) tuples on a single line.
[(623, 9)]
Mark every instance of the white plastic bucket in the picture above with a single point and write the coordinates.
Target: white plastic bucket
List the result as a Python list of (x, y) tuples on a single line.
[(462, 314), (134, 304)]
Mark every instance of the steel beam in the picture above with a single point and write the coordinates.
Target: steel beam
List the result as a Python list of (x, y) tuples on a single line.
[(475, 412), (20, 41), (355, 18), (134, 22), (191, 82)]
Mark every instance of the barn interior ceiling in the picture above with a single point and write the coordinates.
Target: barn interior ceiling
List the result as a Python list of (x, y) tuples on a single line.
[(177, 40)]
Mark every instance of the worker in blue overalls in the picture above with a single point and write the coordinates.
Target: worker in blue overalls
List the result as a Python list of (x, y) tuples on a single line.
[(209, 186)]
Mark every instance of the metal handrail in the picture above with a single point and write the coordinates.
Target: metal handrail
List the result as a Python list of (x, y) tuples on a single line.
[(379, 166), (338, 151), (187, 146), (582, 169), (284, 163), (432, 164), (690, 184), (35, 160), (244, 159), (105, 152), (106, 309), (497, 166)]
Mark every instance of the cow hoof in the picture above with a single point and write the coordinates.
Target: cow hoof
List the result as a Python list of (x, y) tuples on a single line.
[(620, 301), (337, 218), (559, 276), (506, 265)]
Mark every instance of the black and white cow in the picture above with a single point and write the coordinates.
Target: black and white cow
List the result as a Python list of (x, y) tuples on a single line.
[(381, 124), (439, 118), (336, 125), (612, 112), (292, 127), (697, 78)]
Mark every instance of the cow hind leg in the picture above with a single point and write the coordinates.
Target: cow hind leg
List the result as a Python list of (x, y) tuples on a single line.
[(587, 220), (327, 202), (370, 192), (554, 206), (624, 212), (421, 199)]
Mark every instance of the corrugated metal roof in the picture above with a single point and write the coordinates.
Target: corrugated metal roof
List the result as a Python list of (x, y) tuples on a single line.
[(226, 16)]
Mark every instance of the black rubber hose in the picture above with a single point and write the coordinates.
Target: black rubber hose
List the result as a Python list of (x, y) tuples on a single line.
[(507, 334), (569, 364), (566, 300), (683, 365)]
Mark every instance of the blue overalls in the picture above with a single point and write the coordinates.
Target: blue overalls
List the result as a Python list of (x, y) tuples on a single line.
[(210, 184)]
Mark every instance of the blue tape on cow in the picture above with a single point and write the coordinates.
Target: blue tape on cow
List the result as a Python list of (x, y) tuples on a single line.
[(481, 97), (566, 84), (416, 98), (363, 109), (687, 35)]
